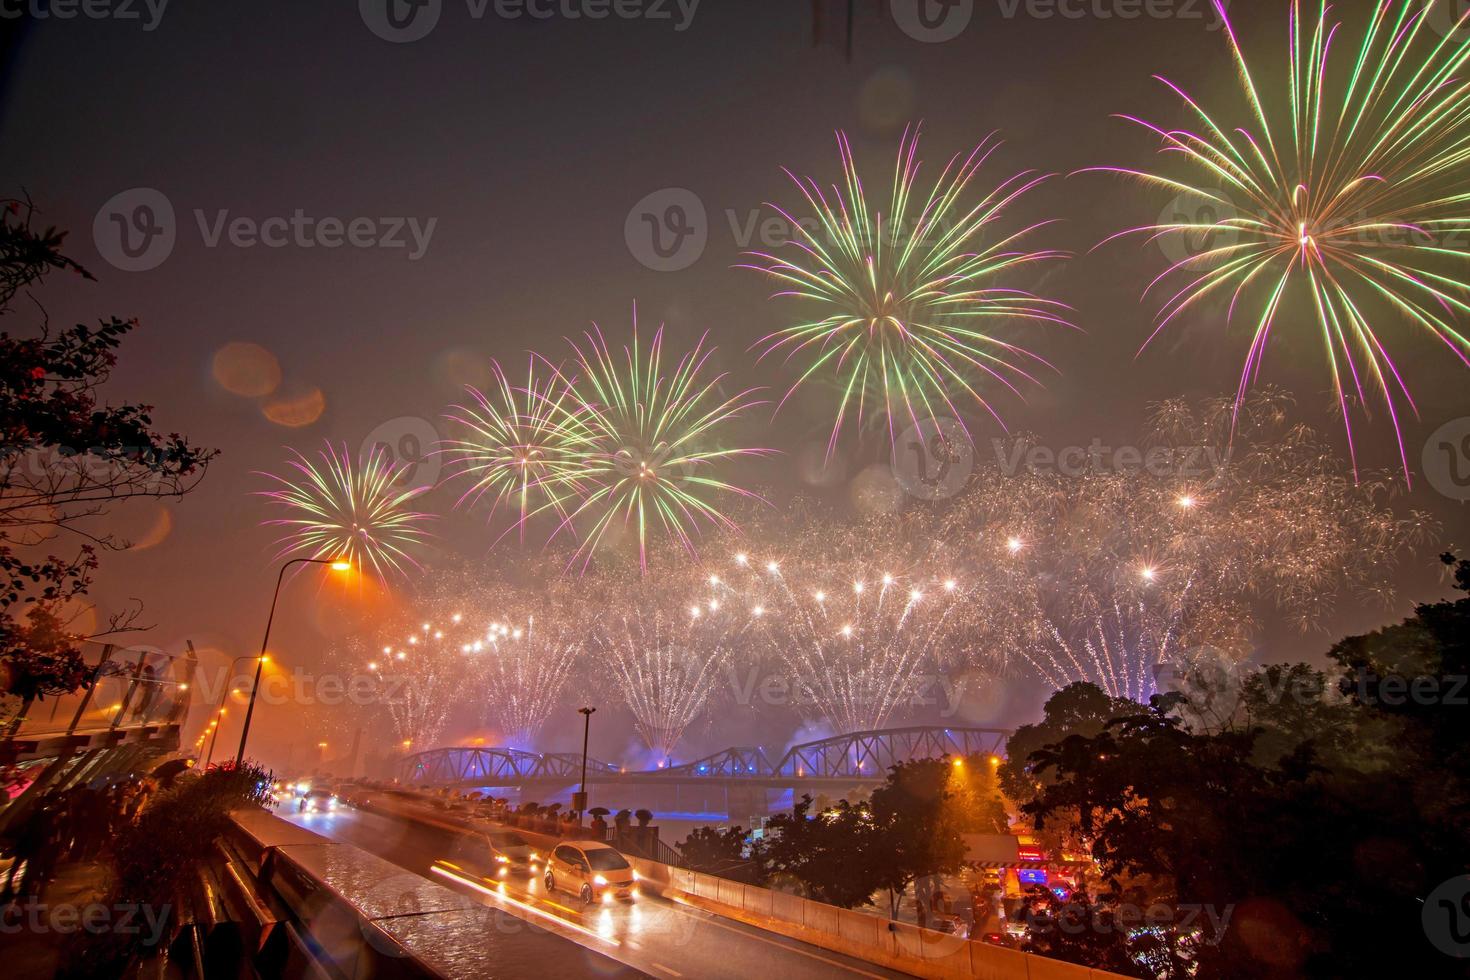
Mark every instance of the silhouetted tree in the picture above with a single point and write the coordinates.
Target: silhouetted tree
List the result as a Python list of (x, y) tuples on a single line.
[(65, 457)]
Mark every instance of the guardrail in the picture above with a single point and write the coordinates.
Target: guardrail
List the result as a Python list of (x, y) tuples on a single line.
[(126, 687), (327, 909)]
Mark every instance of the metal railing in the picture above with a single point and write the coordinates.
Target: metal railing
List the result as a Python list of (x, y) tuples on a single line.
[(129, 687)]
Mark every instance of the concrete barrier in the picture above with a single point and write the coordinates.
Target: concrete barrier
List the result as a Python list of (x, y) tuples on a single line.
[(350, 914), (898, 945)]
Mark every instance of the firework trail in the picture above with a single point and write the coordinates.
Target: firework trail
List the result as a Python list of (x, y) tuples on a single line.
[(341, 509), (664, 638), (1101, 576), (1347, 200), (855, 614), (472, 638), (907, 303), (422, 671), (530, 647)]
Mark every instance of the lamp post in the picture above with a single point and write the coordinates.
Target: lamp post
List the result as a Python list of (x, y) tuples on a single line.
[(219, 712), (338, 564), (579, 799), (214, 735)]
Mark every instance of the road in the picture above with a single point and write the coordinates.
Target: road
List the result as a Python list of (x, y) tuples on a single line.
[(660, 937)]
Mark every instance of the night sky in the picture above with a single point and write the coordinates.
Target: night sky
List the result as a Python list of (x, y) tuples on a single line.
[(528, 143)]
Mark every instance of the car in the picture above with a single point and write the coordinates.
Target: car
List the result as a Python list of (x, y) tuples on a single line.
[(590, 870), (317, 801), (511, 848), (950, 924), (494, 853)]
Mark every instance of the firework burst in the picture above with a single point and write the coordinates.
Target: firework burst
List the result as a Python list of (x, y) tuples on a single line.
[(648, 440), (665, 639), (422, 671), (528, 650), (359, 511), (907, 302), (1101, 576), (521, 446), (1345, 199), (854, 614)]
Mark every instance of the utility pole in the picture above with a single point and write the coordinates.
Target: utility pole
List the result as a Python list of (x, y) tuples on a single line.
[(579, 799)]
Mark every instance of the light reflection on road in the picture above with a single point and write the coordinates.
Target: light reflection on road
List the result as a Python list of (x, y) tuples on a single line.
[(664, 938)]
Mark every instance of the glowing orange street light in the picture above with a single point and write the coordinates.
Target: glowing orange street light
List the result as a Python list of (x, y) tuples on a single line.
[(337, 564)]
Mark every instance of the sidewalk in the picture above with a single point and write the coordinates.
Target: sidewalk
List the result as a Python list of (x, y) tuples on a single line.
[(31, 952)]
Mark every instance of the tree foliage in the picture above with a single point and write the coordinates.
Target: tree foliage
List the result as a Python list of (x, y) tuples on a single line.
[(1312, 827), (911, 827), (66, 456)]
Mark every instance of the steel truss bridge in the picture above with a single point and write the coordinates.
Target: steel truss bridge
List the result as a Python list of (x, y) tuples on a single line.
[(839, 762)]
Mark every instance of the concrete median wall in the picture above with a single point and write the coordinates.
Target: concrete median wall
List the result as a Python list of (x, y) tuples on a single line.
[(898, 945)]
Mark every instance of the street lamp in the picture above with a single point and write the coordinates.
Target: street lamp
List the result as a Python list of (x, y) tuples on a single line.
[(338, 565), (219, 712), (579, 799)]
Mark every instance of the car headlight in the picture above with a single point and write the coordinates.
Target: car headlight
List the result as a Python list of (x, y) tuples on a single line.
[(635, 875), (535, 856), (599, 880), (502, 859)]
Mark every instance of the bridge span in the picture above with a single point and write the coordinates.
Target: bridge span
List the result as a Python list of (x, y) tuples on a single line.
[(840, 763)]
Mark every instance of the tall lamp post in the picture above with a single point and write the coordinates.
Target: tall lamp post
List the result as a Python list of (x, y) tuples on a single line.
[(338, 564), (579, 799), (219, 712)]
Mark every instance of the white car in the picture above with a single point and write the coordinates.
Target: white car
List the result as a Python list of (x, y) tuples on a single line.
[(591, 871), (318, 801)]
